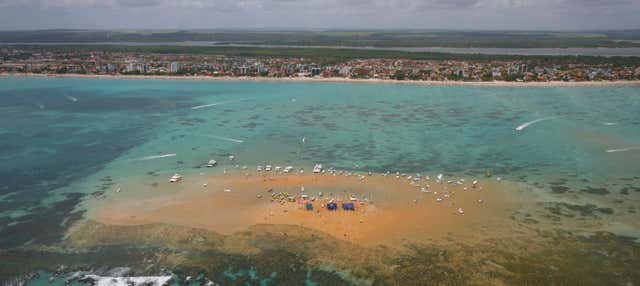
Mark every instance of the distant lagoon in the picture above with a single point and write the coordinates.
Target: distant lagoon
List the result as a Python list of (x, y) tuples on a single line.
[(601, 51)]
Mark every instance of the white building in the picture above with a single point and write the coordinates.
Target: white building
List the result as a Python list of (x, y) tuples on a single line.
[(175, 67)]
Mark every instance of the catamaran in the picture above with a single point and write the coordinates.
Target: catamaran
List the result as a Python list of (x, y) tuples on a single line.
[(175, 178)]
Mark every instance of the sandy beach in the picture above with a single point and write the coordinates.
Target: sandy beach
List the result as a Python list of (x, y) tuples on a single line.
[(339, 80), (388, 210)]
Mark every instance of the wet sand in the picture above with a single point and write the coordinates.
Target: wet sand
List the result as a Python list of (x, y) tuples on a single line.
[(348, 80), (401, 236), (389, 210)]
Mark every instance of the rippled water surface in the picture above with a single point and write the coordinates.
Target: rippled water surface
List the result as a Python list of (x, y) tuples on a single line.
[(64, 140)]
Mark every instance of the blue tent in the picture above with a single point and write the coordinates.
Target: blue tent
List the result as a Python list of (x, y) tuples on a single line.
[(348, 207), (309, 206), (332, 206)]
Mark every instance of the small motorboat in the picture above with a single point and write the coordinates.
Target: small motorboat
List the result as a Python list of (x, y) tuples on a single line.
[(175, 178), (317, 168), (288, 169), (211, 163), (259, 168), (268, 168)]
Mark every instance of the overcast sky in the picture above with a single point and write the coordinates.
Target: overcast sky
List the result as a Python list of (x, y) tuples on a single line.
[(347, 14)]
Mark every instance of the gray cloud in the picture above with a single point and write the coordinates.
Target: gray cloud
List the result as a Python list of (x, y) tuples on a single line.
[(455, 14), (138, 3), (598, 3)]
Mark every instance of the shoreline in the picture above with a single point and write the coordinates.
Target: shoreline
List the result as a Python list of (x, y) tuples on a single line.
[(337, 80)]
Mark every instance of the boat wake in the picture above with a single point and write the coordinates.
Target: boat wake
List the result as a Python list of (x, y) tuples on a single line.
[(223, 138), (71, 98), (527, 124), (623, 149), (155, 157), (215, 104)]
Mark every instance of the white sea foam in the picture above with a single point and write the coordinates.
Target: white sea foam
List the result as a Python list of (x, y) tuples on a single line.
[(610, 123), (71, 98), (127, 281), (623, 149), (527, 124), (156, 157)]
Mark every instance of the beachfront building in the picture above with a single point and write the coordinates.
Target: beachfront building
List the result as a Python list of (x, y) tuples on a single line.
[(175, 67)]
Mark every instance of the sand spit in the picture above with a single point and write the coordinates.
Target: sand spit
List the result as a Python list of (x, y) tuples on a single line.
[(388, 210), (400, 235)]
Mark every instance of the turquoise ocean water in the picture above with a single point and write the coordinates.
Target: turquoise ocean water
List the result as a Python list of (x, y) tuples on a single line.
[(64, 139)]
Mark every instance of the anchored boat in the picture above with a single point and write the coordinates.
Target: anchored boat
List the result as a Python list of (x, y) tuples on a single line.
[(175, 178)]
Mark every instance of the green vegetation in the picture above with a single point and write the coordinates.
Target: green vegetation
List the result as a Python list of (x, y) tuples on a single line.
[(375, 38), (330, 56)]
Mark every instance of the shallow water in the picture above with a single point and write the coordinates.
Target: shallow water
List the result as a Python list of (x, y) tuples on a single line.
[(56, 151)]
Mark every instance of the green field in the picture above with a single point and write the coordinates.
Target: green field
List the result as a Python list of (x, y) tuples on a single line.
[(356, 38), (329, 56)]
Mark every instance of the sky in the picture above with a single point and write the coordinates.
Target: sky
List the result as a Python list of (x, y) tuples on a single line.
[(332, 14)]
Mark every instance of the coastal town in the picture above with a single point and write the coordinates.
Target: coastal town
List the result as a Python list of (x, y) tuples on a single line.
[(17, 60)]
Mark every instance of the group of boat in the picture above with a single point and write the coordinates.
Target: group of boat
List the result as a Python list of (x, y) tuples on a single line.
[(318, 169)]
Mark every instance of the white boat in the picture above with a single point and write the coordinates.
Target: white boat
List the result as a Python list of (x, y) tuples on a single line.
[(231, 157), (259, 168), (268, 168), (317, 168), (211, 163), (353, 199), (278, 169), (288, 169), (175, 178)]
